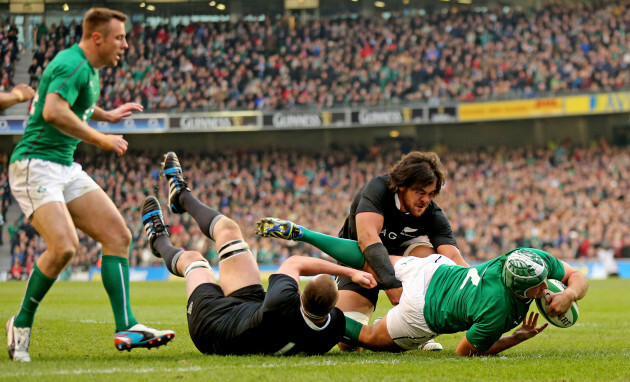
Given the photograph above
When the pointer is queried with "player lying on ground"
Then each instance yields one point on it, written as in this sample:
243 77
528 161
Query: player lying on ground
238 317
440 297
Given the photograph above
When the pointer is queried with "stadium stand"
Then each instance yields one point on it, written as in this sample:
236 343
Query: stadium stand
335 62
496 199
9 50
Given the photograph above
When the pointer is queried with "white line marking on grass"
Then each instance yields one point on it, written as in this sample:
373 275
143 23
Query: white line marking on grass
115 370
105 371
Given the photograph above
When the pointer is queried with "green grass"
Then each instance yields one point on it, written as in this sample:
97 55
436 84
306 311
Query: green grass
73 340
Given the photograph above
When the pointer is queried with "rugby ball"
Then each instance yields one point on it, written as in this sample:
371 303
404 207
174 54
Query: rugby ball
565 321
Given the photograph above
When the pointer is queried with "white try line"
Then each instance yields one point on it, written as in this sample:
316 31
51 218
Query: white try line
265 365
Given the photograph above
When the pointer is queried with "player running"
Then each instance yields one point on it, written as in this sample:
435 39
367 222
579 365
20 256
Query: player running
58 197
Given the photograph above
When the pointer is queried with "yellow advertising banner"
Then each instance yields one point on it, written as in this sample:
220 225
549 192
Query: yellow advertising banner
485 111
598 103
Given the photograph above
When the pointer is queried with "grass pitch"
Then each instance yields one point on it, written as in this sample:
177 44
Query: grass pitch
73 339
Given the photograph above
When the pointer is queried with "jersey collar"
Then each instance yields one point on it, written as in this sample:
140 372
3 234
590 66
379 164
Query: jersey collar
311 324
397 201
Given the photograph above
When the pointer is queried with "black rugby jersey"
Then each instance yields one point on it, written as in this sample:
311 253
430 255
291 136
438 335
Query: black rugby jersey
398 227
277 326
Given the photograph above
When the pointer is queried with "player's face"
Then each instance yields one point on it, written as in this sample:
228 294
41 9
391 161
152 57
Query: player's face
114 44
538 291
415 201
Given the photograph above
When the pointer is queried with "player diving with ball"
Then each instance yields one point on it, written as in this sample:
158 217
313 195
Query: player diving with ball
440 297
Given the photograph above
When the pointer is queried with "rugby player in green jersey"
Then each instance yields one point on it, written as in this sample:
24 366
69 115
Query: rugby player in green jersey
440 297
58 196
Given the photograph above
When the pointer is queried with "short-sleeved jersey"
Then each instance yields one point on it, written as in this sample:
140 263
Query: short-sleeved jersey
398 227
276 325
476 299
71 76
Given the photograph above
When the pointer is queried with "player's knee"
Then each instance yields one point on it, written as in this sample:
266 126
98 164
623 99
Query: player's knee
189 257
64 248
117 241
60 254
226 229
123 238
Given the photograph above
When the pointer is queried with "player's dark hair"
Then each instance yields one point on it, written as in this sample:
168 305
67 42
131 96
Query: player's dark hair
97 18
320 296
417 170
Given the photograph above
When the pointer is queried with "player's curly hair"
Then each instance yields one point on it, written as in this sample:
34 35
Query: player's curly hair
320 296
417 170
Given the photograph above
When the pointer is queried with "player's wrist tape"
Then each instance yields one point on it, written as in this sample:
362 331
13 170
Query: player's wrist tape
352 332
19 93
377 257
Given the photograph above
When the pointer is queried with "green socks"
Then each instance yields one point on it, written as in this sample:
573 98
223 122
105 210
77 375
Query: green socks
115 275
38 286
343 250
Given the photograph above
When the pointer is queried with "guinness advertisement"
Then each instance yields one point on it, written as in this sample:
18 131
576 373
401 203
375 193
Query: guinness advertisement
443 114
366 117
305 120
224 121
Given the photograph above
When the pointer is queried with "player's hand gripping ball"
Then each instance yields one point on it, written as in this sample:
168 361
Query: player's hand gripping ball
563 321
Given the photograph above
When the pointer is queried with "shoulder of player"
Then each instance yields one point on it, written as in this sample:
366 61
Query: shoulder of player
70 60
377 183
281 278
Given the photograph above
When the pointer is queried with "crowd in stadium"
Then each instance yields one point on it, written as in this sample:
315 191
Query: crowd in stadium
9 52
438 57
568 200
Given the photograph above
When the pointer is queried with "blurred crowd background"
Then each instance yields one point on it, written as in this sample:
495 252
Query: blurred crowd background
567 199
571 201
334 62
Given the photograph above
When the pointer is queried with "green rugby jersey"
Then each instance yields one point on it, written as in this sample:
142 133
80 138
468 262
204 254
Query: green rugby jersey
475 299
71 76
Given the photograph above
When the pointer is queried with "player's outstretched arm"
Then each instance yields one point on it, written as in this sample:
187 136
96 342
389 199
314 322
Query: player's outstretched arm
20 93
296 266
522 333
57 112
116 115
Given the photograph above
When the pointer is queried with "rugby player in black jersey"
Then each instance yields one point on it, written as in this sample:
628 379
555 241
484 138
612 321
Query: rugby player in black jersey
388 216
239 317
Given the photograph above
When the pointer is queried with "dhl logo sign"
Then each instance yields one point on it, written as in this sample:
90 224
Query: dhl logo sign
484 111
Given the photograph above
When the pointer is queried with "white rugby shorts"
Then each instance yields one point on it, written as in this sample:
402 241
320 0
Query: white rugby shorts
405 322
35 182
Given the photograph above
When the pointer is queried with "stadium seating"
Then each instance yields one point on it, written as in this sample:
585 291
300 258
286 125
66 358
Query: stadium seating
567 200
444 56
